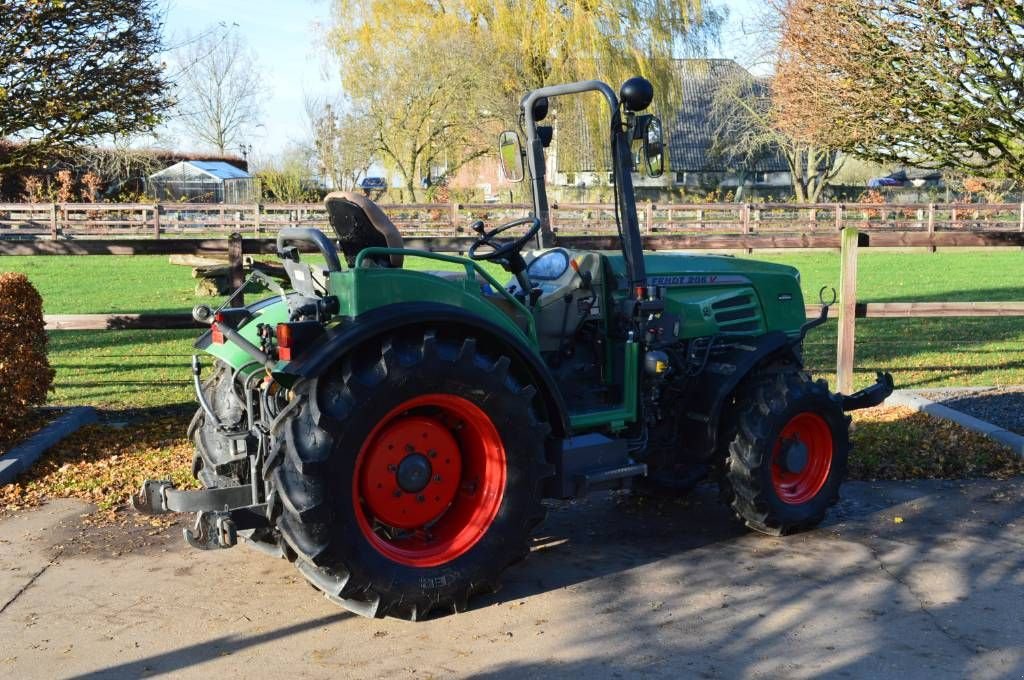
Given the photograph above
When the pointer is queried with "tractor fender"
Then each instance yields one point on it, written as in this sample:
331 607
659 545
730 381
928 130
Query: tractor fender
342 339
718 382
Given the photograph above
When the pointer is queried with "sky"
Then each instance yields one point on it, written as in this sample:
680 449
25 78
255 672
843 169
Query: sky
287 38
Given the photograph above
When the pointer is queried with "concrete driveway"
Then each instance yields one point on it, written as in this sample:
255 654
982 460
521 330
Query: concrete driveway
919 580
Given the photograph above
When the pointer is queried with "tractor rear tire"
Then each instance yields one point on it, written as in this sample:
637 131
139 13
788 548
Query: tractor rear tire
788 457
410 476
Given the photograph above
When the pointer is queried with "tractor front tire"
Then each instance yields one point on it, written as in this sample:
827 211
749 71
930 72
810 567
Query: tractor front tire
410 476
788 456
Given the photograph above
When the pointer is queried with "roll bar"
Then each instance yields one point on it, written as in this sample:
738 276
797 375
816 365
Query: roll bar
632 248
308 235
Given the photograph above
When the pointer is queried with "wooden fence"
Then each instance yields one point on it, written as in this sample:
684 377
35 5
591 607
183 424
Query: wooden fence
849 240
26 221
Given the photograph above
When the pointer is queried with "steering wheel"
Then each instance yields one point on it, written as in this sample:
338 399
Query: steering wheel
501 251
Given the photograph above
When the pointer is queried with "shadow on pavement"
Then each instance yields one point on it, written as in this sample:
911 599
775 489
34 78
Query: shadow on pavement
194 655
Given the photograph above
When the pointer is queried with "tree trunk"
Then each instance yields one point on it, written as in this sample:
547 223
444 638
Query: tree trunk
741 188
798 177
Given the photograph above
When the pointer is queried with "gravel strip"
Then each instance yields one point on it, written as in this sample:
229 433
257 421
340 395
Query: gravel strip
1002 406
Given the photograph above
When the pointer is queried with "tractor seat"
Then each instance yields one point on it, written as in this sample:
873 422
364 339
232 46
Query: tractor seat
360 223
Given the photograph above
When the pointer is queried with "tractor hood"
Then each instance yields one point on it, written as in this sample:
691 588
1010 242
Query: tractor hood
673 264
719 294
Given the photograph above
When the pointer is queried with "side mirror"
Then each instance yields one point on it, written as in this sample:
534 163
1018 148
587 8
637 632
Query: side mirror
649 131
510 152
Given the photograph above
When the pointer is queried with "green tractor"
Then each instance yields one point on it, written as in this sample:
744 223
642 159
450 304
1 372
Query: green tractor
394 433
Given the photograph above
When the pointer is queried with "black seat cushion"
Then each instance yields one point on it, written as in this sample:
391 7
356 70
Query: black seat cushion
355 231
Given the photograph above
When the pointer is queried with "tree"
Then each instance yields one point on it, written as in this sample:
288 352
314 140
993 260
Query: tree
342 143
746 131
923 82
538 43
454 71
288 178
427 106
71 72
218 89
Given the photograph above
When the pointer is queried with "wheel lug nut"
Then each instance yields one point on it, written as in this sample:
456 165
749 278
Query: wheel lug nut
410 448
432 453
398 493
437 478
392 468
420 498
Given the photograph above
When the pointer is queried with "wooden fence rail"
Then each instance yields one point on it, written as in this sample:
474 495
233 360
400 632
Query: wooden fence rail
849 240
172 220
459 244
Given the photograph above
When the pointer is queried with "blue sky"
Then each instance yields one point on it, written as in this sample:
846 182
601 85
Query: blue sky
286 36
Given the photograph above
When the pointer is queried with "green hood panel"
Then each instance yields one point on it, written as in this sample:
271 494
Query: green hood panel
715 294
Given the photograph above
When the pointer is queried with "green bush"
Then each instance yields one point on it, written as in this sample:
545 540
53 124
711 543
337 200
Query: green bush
25 373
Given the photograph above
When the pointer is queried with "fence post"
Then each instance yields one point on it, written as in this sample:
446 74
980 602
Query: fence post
453 215
256 219
157 209
1021 228
847 310
237 276
649 217
931 223
839 216
53 221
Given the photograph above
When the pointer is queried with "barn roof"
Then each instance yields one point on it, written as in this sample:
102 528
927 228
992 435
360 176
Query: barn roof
690 126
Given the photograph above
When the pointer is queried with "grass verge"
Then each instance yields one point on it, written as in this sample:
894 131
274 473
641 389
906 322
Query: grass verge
898 443
105 463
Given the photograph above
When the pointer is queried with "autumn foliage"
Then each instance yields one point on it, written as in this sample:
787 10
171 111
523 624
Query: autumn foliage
25 373
920 82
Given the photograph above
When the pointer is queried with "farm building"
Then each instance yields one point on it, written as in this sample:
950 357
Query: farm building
203 182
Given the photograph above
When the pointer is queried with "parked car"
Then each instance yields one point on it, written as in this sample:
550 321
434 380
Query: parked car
373 184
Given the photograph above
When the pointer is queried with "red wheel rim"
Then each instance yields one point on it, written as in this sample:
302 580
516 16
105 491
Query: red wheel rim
429 480
810 430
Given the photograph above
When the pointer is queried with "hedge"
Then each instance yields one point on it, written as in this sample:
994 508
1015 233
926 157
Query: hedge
25 373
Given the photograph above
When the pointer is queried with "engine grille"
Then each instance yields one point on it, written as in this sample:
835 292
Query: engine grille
738 314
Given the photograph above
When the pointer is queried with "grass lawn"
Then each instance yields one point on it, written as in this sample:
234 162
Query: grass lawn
150 368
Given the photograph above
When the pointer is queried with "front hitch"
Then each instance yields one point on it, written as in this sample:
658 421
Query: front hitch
220 513
870 396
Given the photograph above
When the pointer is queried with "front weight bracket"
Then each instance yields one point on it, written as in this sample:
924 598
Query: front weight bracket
211 531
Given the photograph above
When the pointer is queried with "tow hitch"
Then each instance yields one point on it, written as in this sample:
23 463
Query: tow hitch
870 396
220 513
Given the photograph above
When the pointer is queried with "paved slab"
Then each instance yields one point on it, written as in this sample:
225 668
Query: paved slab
921 580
